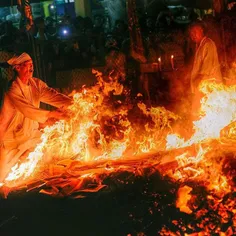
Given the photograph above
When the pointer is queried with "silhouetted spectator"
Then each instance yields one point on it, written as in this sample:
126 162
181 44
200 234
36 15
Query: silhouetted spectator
120 32
88 23
50 28
98 26
73 55
9 34
79 24
115 61
40 29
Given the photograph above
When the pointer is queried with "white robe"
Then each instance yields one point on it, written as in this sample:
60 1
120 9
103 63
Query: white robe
206 63
20 117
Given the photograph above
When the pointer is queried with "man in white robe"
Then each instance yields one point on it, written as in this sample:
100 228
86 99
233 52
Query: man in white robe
20 114
206 64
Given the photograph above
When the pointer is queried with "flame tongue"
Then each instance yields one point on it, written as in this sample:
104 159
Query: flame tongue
218 110
106 135
100 129
183 198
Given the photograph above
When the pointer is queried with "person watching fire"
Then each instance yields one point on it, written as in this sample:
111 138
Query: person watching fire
20 113
206 64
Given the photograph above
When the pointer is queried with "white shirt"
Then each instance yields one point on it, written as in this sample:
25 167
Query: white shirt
21 114
206 63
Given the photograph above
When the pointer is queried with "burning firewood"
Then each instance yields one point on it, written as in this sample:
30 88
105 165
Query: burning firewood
106 142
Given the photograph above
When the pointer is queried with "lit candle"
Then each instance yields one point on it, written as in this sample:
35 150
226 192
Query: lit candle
172 62
159 61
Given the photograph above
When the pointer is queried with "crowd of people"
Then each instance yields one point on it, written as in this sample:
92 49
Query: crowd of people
85 43
67 44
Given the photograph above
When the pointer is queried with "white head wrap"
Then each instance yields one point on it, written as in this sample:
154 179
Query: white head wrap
17 60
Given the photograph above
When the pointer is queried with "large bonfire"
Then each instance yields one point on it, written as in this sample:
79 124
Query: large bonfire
107 135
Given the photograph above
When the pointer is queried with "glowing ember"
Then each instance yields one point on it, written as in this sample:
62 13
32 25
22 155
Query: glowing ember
183 198
107 135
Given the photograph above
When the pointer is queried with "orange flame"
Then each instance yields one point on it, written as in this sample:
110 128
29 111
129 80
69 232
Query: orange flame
218 110
183 198
102 135
97 132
